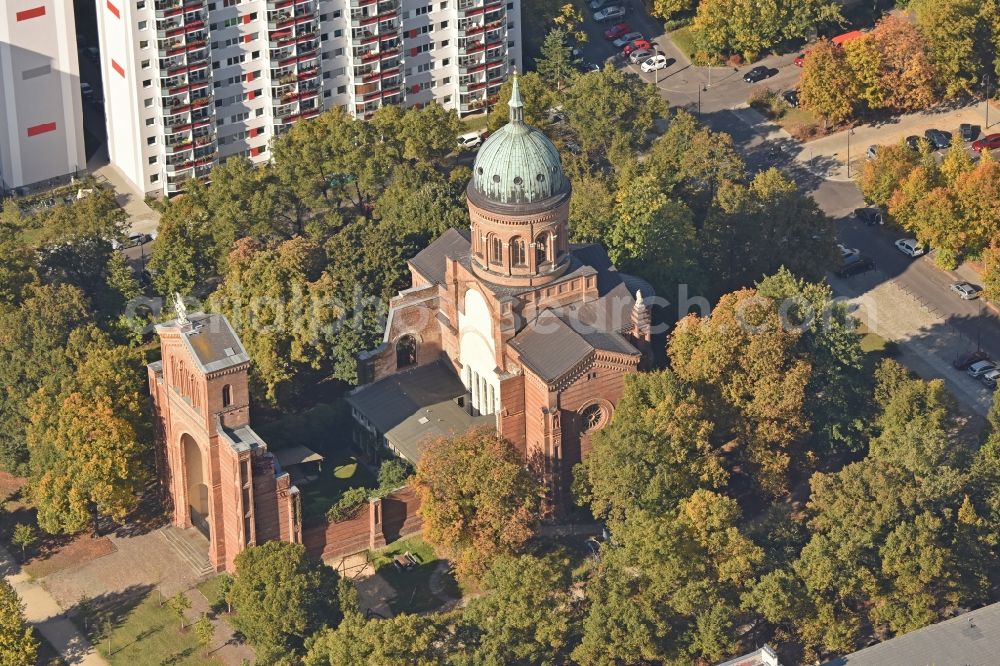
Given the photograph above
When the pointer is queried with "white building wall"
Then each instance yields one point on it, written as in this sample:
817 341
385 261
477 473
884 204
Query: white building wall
274 62
41 112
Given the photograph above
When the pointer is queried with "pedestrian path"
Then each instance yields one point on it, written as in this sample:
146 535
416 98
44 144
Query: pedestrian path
42 611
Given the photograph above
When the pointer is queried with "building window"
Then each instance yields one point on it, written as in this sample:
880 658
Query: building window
592 418
142 25
154 178
406 351
227 395
496 250
541 248
518 257
152 160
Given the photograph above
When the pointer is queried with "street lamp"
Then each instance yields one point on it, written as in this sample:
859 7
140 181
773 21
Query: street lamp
849 133
986 82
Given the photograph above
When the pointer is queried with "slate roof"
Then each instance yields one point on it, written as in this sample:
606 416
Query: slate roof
971 639
413 407
551 346
430 262
211 340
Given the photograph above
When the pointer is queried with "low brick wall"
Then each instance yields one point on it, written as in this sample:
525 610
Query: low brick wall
385 520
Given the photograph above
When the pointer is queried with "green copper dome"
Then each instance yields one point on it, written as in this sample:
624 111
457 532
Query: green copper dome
518 164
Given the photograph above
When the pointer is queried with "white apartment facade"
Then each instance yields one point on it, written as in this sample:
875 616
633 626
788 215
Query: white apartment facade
191 82
41 112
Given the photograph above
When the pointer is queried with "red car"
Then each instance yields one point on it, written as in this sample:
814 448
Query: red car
614 32
988 142
800 59
637 45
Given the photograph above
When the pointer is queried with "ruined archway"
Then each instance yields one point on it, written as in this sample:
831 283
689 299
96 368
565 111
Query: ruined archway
197 484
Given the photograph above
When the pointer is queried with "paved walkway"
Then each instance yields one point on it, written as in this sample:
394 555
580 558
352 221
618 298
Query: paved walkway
45 614
224 645
142 218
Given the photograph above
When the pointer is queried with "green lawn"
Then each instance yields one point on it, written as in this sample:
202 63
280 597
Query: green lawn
212 589
147 633
684 40
476 122
413 585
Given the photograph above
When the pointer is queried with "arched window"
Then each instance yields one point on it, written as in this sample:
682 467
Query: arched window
406 351
227 395
496 250
541 248
592 418
517 254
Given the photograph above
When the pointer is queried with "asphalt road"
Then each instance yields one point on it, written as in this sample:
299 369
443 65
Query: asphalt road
722 90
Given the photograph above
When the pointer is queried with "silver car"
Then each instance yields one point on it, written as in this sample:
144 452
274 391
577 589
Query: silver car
991 378
612 13
965 291
981 368
639 55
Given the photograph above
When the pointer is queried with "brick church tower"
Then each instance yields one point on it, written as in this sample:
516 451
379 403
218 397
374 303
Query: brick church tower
216 470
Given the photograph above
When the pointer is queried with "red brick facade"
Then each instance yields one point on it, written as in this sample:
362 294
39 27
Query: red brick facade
216 471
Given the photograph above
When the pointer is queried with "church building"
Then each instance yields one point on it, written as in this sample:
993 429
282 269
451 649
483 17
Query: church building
507 323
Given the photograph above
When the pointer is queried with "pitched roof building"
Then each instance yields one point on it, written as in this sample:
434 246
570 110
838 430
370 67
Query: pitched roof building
507 323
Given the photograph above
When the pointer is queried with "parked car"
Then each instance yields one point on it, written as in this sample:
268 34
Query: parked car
990 378
870 216
913 141
612 13
470 140
759 73
910 246
855 266
988 142
616 31
86 90
800 59
586 66
638 56
659 61
965 360
846 252
965 291
979 369
637 45
969 132
939 139
791 97
626 38
872 152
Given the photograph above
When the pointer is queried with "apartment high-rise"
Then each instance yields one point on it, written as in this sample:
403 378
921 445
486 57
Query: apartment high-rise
41 112
191 82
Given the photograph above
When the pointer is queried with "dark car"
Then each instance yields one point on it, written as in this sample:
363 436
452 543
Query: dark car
586 67
939 138
913 141
856 266
792 97
759 73
870 216
965 360
969 132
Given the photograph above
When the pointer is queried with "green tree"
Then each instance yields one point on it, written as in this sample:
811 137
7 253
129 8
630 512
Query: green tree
17 262
668 589
828 83
590 209
403 640
18 646
205 631
613 109
184 253
991 272
951 28
536 93
179 604
477 499
652 234
281 596
557 66
429 133
24 536
523 618
667 9
739 26
657 450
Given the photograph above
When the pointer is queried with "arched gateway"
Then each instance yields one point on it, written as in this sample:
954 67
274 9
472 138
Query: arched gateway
216 470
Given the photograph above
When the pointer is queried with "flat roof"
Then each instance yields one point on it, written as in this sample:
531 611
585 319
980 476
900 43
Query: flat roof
970 639
415 406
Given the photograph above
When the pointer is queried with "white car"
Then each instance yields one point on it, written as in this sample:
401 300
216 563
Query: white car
847 252
659 61
991 378
910 247
612 13
470 140
981 368
626 38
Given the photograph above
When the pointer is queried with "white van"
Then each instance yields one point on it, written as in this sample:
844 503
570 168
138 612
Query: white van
470 140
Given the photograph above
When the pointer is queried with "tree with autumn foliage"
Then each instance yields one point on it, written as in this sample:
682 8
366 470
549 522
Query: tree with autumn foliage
891 66
478 500
828 83
18 646
991 272
879 178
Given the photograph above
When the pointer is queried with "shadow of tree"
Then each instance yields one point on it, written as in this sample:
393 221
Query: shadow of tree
98 616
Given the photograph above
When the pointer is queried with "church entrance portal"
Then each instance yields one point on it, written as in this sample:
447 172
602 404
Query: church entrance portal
197 489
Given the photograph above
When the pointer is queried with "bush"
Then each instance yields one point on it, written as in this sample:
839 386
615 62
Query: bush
348 504
392 474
